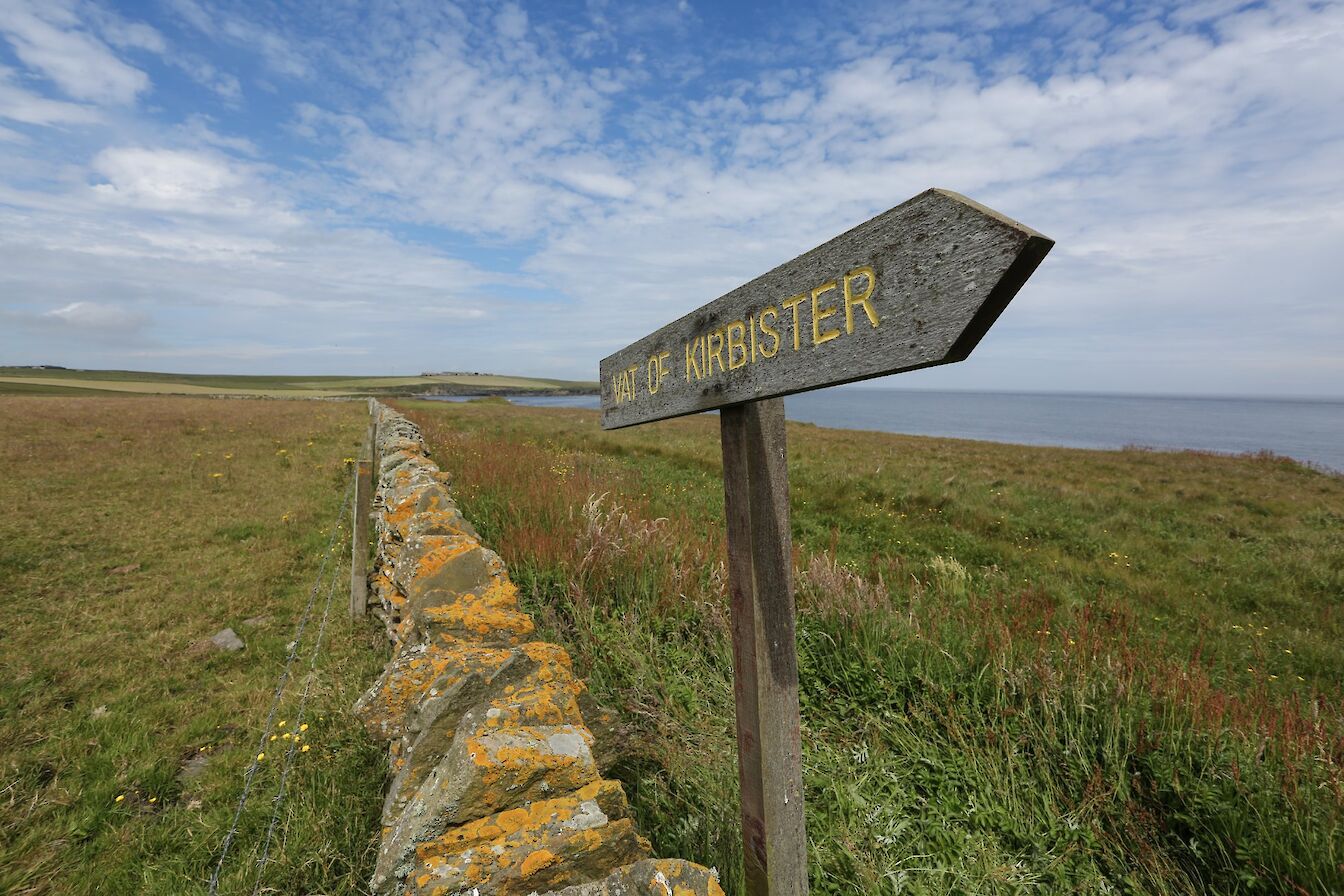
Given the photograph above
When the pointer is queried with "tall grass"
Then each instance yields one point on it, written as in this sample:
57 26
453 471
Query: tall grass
1042 693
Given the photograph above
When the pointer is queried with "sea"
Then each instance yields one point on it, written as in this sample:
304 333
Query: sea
1308 430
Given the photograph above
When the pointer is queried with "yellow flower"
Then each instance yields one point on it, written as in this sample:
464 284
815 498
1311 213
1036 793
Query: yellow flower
272 737
153 799
216 475
305 749
303 727
281 724
119 798
228 457
261 756
287 735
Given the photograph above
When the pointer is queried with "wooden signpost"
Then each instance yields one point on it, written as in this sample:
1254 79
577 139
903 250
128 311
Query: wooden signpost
914 287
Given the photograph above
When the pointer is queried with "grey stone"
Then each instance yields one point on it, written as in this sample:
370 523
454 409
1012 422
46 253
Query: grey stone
226 639
193 768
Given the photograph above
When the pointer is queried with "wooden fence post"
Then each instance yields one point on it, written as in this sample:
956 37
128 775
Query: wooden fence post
359 530
765 660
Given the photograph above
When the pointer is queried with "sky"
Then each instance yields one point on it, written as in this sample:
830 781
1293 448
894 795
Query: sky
391 188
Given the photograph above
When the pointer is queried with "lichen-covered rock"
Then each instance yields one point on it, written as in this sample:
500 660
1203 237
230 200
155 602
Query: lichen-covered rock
484 771
651 877
448 564
544 845
384 708
533 686
487 614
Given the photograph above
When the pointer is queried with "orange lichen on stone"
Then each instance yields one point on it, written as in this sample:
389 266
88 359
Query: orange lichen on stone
385 707
607 795
583 848
544 702
477 617
435 559
538 860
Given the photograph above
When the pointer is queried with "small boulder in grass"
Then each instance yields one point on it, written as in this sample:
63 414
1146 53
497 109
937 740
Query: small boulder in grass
226 639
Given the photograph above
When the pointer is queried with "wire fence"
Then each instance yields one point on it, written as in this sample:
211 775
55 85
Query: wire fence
286 674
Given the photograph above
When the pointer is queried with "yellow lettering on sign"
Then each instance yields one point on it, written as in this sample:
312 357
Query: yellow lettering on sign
851 300
767 330
760 336
819 314
737 342
793 303
693 358
714 352
624 384
656 371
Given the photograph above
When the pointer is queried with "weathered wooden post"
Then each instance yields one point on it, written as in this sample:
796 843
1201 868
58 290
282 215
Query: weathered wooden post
359 530
916 286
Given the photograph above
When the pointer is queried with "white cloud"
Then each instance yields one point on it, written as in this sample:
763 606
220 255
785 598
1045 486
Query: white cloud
47 37
96 316
20 105
163 178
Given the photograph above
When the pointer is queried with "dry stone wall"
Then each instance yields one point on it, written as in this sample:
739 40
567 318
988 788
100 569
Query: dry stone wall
493 784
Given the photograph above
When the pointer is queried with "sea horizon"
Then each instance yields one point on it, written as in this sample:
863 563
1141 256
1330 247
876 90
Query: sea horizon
1308 429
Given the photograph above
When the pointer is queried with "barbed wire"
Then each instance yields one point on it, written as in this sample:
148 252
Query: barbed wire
293 750
281 684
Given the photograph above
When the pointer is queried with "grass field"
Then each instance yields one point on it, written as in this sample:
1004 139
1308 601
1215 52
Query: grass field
26 380
1022 669
135 528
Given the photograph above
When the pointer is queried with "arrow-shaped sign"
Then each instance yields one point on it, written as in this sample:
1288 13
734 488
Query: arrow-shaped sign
916 286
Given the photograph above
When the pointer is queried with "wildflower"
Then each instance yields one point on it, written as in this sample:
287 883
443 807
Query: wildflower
280 724
228 457
119 798
1287 651
1273 678
153 799
216 475
305 749
261 757
303 727
272 737
287 736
